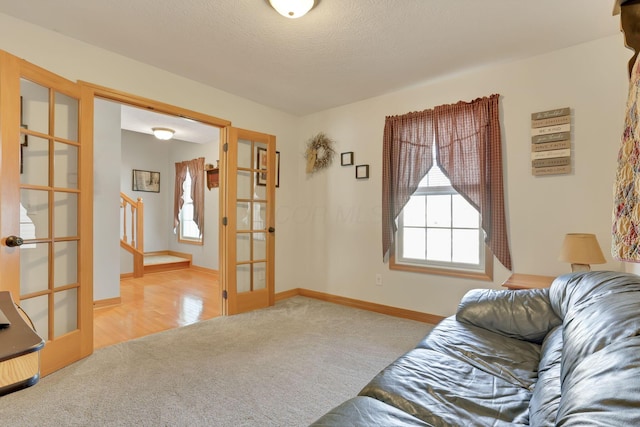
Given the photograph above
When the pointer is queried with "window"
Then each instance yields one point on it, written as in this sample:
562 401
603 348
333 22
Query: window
188 229
188 201
428 224
438 229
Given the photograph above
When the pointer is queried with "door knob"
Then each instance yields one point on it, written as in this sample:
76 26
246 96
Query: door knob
271 229
13 241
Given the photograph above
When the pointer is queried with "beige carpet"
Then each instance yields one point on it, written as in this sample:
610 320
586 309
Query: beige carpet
282 366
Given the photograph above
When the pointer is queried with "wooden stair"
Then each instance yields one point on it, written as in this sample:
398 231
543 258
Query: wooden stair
132 221
155 262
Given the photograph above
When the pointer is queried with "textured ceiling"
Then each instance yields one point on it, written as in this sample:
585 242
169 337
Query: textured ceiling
342 51
142 121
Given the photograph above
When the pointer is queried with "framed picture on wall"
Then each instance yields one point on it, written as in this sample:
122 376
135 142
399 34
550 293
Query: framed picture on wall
277 169
24 138
362 172
145 181
346 159
261 165
261 177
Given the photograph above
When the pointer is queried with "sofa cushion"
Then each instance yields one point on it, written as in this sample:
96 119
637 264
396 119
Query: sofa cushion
604 388
526 315
599 309
512 360
442 390
366 412
571 291
545 400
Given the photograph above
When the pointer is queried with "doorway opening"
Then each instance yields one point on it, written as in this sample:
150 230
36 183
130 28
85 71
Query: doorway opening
173 293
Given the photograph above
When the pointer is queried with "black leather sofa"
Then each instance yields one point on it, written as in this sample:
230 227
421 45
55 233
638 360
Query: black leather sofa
565 356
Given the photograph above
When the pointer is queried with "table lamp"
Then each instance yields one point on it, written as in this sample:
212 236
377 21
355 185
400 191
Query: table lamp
581 250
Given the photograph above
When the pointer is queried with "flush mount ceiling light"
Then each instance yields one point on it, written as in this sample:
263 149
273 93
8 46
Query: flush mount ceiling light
163 133
292 8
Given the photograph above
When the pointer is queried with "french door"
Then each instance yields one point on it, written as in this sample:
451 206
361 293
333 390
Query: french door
248 241
46 206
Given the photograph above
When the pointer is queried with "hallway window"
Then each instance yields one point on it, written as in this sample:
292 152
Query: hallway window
188 230
188 201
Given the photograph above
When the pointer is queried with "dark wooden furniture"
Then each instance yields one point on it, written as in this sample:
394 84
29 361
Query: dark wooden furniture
19 349
213 178
527 281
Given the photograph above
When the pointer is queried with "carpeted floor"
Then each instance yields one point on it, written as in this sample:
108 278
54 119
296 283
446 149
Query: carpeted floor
282 366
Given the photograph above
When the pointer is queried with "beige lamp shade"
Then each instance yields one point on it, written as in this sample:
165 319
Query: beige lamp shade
581 250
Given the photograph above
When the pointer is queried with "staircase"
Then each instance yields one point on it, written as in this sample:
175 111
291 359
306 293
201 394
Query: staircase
132 240
133 219
165 261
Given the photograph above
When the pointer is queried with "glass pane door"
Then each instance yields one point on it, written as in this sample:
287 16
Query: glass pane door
250 231
49 208
46 223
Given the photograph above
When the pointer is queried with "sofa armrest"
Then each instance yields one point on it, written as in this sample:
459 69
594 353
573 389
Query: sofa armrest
525 314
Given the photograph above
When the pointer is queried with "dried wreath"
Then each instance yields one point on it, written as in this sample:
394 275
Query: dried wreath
319 152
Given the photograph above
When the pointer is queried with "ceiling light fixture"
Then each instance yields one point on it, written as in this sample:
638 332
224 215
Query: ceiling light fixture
292 8
163 133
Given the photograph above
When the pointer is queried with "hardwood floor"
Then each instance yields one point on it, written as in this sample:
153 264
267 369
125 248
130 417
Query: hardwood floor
157 302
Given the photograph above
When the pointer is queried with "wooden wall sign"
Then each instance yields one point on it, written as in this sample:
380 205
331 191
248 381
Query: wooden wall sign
551 142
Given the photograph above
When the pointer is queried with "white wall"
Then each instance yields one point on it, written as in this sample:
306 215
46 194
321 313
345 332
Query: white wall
144 152
106 199
344 222
328 224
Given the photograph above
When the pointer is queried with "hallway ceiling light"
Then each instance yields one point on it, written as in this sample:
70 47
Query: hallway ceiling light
163 133
292 8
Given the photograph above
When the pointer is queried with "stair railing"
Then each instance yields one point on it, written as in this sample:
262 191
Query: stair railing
133 218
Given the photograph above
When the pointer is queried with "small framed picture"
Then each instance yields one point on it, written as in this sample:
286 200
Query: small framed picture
261 177
277 169
362 172
261 164
24 138
346 159
145 181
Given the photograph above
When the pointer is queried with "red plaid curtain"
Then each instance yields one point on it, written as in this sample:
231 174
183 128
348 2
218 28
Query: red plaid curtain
406 159
196 172
469 151
181 174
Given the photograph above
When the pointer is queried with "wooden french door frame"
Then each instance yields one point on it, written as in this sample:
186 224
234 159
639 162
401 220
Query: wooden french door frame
74 340
236 299
229 300
120 97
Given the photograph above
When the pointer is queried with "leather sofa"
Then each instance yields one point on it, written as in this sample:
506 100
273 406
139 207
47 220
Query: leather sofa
566 356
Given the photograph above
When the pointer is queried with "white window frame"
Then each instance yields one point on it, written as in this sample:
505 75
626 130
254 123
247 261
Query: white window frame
481 271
